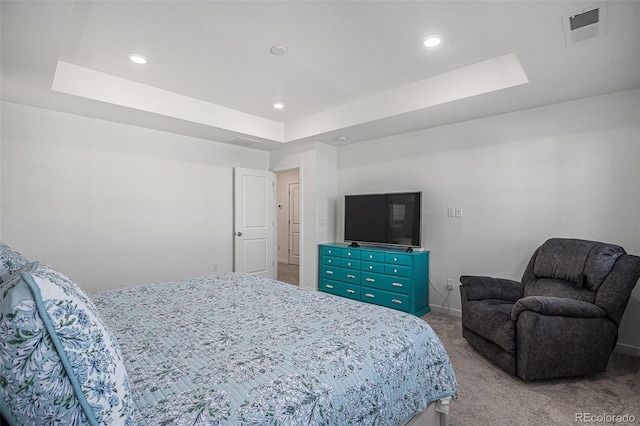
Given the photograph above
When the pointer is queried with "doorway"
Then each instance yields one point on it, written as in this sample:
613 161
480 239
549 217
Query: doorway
289 229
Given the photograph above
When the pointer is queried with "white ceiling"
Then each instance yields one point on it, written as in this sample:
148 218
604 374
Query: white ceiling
353 68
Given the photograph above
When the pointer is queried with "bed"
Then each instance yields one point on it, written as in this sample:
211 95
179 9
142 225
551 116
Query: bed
237 349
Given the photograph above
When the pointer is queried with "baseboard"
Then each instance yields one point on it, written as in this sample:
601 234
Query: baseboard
623 349
447 311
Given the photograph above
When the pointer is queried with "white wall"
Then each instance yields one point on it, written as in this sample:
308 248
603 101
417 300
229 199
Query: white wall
566 170
113 205
326 192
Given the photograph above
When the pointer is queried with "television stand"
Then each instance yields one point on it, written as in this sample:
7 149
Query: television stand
382 276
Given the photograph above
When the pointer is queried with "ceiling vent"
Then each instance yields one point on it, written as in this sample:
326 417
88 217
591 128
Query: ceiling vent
240 141
585 24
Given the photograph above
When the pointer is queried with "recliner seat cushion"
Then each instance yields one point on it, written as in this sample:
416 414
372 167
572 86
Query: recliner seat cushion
491 319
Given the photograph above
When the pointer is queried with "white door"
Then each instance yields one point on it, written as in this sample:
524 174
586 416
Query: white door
294 223
254 222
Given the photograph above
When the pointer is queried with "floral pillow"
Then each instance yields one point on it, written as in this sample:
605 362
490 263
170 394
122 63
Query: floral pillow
10 261
59 365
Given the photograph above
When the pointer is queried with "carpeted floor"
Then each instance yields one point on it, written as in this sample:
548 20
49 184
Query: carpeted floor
489 396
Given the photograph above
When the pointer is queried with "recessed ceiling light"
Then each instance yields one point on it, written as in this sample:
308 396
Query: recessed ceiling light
278 50
137 58
433 40
278 105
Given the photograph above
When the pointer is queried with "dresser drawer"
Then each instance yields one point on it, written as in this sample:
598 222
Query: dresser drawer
351 254
330 260
397 259
350 263
340 289
340 274
400 271
373 256
385 298
330 251
373 267
386 282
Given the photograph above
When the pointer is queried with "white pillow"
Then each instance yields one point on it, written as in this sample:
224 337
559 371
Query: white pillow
60 365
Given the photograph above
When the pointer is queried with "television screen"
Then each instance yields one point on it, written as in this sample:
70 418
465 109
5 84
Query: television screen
392 219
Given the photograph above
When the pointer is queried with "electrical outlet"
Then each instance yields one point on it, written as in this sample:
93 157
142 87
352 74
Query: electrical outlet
215 267
450 211
458 211
449 283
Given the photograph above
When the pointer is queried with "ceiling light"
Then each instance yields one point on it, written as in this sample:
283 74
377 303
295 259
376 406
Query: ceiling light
278 50
137 58
342 138
278 105
433 40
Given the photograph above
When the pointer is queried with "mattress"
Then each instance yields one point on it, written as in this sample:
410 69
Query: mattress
239 349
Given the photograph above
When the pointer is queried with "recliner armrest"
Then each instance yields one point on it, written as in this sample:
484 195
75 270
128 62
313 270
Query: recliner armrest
479 288
557 306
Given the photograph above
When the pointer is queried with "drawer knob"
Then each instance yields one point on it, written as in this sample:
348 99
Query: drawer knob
329 286
329 261
371 280
396 301
351 291
395 271
396 284
369 295
351 276
329 272
395 259
370 256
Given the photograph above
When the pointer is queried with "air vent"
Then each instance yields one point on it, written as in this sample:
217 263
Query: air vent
240 141
581 20
585 24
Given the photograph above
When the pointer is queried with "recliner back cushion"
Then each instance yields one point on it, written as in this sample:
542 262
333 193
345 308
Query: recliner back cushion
600 263
550 287
562 259
583 263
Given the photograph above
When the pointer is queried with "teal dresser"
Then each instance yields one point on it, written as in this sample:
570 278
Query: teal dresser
386 277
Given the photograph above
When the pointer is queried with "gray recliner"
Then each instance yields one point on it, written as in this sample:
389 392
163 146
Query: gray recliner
561 320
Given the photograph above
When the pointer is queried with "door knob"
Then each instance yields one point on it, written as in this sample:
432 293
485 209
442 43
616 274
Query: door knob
239 234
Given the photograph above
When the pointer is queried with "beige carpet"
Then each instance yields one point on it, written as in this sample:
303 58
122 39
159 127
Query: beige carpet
489 396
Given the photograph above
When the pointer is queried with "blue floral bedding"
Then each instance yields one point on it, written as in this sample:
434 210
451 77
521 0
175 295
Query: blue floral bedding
244 350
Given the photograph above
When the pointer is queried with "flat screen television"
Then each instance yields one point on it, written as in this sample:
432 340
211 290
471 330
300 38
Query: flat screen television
384 219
